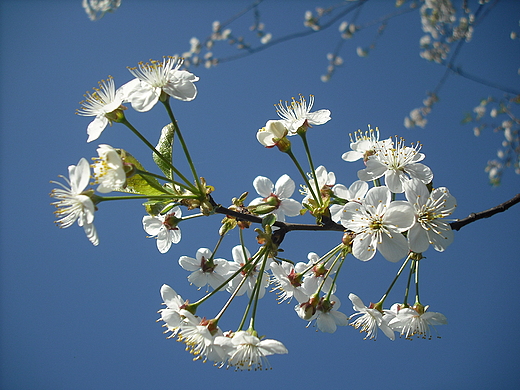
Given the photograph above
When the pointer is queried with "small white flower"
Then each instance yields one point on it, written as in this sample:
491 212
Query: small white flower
152 78
203 271
288 281
364 145
72 203
277 196
171 315
322 179
297 113
96 9
99 103
328 317
241 256
378 223
164 228
415 321
369 320
355 193
108 170
430 208
398 164
273 132
248 352
199 336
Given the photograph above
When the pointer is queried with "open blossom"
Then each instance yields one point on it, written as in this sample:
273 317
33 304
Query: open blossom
104 100
155 77
321 180
72 203
199 336
171 315
378 223
355 193
108 170
415 321
204 269
164 228
276 197
298 113
369 320
364 145
430 208
288 280
246 351
241 256
328 318
398 164
96 9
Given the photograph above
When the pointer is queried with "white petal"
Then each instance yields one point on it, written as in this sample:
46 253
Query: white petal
418 239
395 248
96 127
290 207
263 185
284 187
189 263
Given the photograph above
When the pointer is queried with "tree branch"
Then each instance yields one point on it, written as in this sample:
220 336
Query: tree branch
485 214
329 225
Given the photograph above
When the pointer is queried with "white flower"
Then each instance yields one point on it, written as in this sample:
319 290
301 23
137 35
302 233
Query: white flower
398 164
241 256
319 181
96 9
164 228
171 315
277 196
378 224
369 320
273 132
248 352
199 336
108 170
430 208
415 321
288 280
355 193
364 145
297 113
152 78
99 103
328 316
73 204
205 272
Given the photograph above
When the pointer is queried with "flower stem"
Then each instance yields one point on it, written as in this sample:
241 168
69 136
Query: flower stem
183 144
302 173
303 135
165 160
382 300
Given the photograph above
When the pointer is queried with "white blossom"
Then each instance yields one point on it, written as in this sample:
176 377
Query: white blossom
108 170
72 202
369 320
104 100
416 321
430 208
164 228
203 271
378 223
276 196
297 113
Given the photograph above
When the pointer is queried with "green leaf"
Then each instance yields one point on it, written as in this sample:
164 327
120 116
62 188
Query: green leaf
140 184
268 220
165 147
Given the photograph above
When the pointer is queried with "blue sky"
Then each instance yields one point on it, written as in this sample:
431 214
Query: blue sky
74 316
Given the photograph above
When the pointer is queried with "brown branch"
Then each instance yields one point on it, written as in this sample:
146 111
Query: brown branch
329 225
485 214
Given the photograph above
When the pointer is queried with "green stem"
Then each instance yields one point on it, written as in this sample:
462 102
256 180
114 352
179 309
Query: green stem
183 144
417 301
382 300
157 197
412 268
256 291
165 160
303 135
304 176
140 172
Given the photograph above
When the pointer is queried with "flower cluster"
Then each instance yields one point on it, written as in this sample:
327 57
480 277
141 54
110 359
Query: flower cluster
371 219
